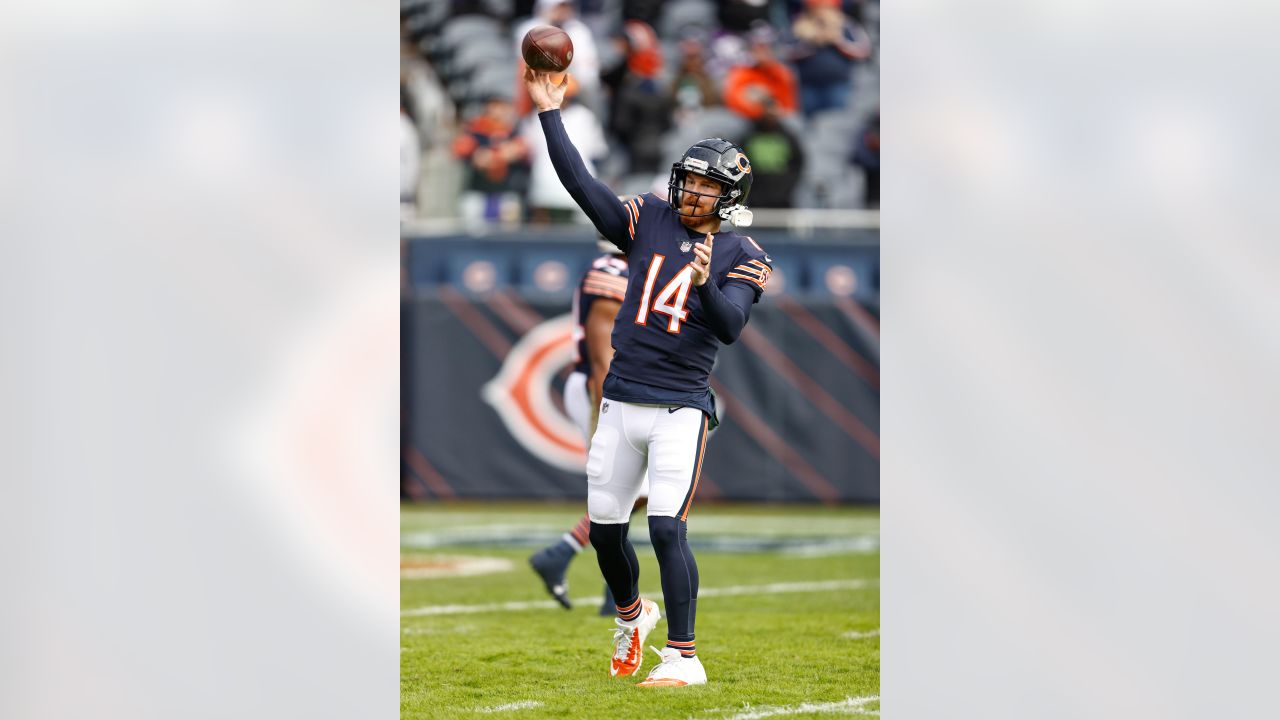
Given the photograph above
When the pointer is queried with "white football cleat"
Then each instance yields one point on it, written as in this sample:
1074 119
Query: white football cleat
675 670
628 639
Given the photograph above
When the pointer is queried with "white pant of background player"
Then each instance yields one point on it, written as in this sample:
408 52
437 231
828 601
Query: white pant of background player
577 402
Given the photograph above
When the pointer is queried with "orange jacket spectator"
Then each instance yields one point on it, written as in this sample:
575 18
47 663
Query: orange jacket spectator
749 89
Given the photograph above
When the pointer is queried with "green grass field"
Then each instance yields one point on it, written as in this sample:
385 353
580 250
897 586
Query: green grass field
788 617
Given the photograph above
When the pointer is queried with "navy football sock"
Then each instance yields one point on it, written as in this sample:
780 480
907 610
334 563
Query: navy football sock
619 566
679 579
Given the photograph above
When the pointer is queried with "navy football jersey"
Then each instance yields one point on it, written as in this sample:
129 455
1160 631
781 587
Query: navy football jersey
664 341
606 278
659 338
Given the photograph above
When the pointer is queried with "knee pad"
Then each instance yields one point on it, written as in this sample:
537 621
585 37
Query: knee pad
604 506
664 532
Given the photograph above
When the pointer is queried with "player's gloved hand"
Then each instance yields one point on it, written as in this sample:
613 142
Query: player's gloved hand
545 94
702 261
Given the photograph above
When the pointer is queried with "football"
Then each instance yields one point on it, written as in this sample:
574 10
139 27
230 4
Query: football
547 48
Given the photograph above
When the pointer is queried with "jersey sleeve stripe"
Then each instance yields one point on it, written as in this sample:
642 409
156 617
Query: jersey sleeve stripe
753 261
612 286
747 277
599 288
608 281
750 270
604 293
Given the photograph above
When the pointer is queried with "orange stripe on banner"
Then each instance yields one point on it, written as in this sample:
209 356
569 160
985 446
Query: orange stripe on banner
812 390
475 321
521 320
702 449
744 417
434 480
859 316
831 341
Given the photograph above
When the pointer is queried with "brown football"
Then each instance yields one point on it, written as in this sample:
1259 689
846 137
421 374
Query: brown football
547 48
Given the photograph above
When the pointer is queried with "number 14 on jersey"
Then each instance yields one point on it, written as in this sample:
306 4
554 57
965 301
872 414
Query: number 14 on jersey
671 298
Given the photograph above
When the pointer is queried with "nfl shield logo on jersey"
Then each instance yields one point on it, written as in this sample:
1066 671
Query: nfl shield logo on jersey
684 246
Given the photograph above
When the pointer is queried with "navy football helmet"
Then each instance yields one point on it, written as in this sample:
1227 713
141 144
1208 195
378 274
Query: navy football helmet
722 161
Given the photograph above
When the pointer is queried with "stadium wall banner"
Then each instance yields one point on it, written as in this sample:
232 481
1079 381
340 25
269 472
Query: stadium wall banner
483 412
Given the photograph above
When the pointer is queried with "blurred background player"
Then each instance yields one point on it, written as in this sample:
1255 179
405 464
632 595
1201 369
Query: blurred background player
595 306
658 405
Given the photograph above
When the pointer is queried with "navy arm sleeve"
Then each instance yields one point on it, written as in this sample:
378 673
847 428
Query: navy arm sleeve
726 310
595 198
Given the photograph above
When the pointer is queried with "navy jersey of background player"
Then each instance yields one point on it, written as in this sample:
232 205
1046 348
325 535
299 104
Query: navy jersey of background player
667 342
664 345
606 278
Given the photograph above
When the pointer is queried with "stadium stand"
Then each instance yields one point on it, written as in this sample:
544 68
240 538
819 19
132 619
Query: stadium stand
463 54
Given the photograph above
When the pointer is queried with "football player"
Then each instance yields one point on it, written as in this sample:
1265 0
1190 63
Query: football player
595 305
690 290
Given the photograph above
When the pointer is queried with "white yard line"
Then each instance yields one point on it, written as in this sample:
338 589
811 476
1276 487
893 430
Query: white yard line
855 635
521 705
848 706
770 589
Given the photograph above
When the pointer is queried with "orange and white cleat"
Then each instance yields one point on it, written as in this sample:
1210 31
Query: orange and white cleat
628 639
675 670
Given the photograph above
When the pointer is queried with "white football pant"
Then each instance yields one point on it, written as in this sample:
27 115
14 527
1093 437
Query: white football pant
630 439
577 402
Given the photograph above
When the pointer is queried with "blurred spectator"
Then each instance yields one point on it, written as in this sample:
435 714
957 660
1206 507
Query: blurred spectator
585 65
693 87
497 163
826 45
548 200
777 159
866 155
763 80
640 112
410 155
